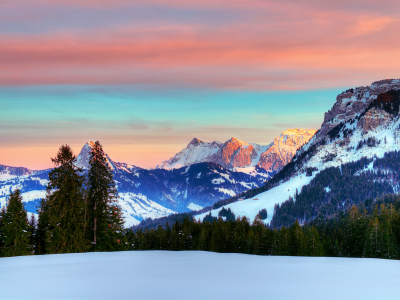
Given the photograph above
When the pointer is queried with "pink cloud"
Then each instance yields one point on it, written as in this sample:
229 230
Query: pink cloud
281 46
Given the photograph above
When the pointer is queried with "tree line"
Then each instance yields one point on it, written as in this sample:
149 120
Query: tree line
78 214
357 232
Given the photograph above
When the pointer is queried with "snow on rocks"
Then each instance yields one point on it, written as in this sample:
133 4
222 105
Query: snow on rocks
194 207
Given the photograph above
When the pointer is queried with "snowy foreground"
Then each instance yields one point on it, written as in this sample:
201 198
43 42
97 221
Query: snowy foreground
195 275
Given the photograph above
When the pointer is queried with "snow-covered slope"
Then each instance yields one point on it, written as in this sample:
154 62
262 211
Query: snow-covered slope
170 275
238 155
266 200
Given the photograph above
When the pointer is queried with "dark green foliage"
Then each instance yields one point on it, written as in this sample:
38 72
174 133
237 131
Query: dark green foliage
42 225
2 213
32 232
227 213
263 214
347 234
16 233
64 206
209 218
104 216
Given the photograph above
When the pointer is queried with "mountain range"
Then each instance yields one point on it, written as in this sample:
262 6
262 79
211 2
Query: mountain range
197 177
352 160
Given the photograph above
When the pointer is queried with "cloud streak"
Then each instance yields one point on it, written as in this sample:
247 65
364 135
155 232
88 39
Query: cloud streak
274 46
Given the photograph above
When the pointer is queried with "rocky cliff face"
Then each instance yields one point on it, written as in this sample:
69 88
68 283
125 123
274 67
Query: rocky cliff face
284 148
353 102
364 122
235 154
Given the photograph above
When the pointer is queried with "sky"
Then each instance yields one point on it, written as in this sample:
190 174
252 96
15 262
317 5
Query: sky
146 77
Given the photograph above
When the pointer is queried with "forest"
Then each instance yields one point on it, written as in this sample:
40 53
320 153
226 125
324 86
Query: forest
358 232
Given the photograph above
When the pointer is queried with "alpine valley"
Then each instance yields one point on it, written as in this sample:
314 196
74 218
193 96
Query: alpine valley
197 177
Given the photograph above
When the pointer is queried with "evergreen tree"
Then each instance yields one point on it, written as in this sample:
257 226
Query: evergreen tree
312 245
105 220
2 214
296 238
64 206
354 240
373 241
42 226
16 235
32 232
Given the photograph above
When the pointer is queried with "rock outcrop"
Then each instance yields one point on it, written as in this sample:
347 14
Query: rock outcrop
284 148
352 103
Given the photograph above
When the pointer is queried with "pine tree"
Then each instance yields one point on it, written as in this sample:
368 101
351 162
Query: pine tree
64 206
311 245
32 232
105 219
2 214
296 237
16 227
373 241
42 226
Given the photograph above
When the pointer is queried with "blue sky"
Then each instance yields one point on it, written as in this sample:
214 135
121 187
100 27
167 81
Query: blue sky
125 117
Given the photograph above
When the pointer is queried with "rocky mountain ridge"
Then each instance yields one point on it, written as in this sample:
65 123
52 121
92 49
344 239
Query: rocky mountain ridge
238 155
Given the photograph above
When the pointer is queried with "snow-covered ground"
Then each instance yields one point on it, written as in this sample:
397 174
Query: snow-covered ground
138 207
267 200
165 275
194 206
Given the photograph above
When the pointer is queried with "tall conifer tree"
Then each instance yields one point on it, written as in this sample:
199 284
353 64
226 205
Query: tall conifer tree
64 206
2 214
16 235
105 220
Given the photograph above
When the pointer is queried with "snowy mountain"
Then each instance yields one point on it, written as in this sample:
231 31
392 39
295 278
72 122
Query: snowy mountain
241 156
82 161
353 157
143 193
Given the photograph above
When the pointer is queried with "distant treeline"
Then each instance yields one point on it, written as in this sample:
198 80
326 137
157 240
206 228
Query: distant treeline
355 233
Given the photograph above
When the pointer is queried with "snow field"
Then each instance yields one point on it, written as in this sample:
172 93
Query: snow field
196 275
267 200
138 207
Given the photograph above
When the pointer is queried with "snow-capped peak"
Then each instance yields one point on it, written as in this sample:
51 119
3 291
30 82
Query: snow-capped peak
238 155
195 142
82 160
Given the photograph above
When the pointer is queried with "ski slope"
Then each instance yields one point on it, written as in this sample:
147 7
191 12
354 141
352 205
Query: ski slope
196 275
267 200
